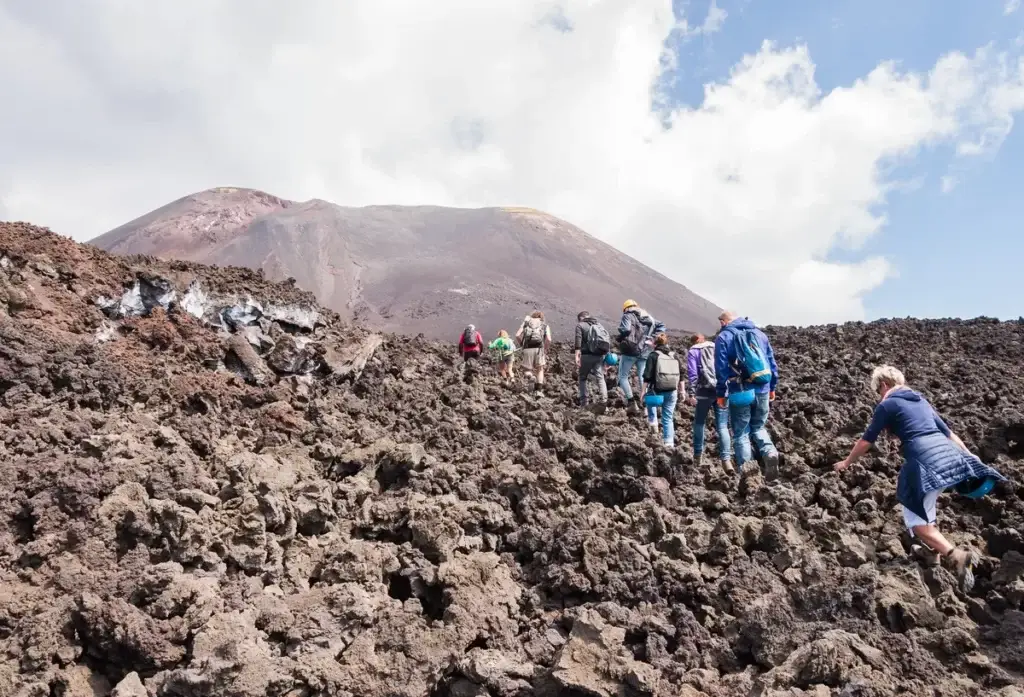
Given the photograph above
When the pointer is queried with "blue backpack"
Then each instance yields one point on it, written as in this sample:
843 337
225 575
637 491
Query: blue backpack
753 366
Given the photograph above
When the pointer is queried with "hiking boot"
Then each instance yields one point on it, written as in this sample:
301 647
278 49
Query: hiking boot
961 562
771 466
728 468
632 409
698 459
653 425
538 387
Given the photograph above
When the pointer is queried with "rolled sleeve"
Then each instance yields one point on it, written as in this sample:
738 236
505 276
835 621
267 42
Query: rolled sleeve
879 420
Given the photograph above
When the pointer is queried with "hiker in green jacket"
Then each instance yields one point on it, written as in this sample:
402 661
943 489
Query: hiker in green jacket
505 351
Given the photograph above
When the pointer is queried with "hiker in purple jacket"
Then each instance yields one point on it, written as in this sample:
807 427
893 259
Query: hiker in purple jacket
700 369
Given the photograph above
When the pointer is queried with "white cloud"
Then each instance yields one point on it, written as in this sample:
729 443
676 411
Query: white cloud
745 198
712 24
949 183
1011 6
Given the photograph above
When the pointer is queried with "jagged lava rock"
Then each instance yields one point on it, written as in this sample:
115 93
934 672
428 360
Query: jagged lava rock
212 486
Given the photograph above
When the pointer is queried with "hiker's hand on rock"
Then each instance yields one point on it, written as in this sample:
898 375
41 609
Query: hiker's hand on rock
840 466
771 396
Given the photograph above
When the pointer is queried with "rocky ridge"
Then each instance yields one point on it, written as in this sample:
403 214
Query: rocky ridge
214 487
413 269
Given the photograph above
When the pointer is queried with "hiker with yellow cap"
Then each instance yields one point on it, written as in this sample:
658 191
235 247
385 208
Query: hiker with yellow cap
636 341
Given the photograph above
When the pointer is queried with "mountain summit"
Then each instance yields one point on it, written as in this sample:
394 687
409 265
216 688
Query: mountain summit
413 269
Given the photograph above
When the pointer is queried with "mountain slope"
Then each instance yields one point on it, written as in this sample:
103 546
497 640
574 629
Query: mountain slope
415 269
200 502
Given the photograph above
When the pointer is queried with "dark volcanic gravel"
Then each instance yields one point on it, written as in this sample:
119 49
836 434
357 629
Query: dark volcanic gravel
186 512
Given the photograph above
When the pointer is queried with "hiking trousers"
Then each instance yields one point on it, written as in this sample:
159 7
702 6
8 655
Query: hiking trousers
626 364
668 416
700 418
592 365
748 421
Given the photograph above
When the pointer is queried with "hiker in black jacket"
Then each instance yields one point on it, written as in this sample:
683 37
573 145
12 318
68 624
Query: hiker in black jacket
592 345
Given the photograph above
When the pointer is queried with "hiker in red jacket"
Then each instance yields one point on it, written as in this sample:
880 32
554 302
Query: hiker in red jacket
471 343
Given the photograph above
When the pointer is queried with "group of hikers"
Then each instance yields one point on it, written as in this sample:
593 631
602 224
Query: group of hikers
734 377
534 338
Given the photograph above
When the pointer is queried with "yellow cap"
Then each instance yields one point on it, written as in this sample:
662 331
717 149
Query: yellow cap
628 304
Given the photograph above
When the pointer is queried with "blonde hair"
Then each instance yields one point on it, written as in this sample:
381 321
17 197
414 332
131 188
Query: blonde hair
503 334
886 375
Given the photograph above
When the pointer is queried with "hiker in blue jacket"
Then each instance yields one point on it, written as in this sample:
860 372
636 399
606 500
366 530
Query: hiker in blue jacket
746 394
935 459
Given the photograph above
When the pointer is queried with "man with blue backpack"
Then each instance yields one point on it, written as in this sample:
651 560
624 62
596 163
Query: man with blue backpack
746 376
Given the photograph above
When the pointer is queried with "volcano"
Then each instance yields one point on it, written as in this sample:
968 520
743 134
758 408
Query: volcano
414 269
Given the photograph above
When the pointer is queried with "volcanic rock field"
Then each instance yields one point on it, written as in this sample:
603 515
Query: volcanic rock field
210 486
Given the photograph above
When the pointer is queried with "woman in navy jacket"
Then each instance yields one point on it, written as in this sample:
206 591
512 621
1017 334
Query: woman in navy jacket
935 459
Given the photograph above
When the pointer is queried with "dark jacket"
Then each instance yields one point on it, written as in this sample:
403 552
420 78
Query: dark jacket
636 315
725 359
582 327
932 462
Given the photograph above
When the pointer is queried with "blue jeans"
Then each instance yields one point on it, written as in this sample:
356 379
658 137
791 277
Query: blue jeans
748 422
700 419
668 416
626 364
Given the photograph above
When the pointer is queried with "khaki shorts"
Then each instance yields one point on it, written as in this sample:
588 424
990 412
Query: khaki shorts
533 359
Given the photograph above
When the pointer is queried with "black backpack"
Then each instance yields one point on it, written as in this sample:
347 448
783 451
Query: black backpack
469 338
633 343
662 372
596 341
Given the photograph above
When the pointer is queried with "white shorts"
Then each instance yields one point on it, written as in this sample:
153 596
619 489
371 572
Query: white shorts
913 520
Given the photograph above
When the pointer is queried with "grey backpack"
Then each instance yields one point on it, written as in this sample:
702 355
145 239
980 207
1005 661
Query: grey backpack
534 332
663 372
596 340
706 367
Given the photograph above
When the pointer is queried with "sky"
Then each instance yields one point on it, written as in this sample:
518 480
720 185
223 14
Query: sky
797 161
